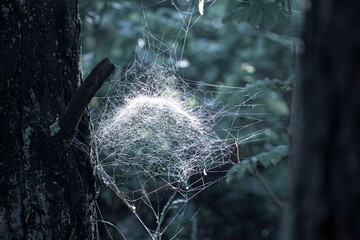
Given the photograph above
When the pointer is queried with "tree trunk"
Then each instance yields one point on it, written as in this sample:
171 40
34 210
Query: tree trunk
327 154
48 185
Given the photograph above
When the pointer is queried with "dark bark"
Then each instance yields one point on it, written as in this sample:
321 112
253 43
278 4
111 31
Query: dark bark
47 179
326 133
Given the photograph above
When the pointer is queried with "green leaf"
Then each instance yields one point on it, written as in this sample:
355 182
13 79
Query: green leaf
278 106
281 152
256 14
232 173
264 160
243 13
270 18
243 166
273 157
239 170
267 159
247 164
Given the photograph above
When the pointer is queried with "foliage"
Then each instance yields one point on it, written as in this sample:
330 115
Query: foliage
266 159
267 14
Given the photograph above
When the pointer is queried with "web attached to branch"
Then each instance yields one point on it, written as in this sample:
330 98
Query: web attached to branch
163 139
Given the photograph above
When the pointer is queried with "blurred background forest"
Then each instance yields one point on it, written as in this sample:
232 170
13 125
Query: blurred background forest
251 44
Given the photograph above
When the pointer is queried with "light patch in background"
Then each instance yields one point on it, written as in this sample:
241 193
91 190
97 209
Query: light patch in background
247 68
184 63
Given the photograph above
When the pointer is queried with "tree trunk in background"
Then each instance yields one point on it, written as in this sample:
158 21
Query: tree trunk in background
327 181
47 190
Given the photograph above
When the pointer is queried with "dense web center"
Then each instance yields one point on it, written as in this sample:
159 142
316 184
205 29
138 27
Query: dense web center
157 135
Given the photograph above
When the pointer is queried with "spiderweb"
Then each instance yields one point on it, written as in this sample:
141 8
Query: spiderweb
162 139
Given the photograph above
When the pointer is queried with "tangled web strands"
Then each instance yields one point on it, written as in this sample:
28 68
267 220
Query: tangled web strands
158 131
158 135
152 137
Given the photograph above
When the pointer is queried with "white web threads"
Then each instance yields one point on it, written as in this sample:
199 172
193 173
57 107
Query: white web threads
157 133
153 135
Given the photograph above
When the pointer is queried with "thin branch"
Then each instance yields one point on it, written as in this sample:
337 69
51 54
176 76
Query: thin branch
256 174
164 212
289 6
69 121
237 151
106 222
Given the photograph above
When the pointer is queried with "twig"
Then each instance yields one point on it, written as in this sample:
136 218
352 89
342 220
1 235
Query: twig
289 6
256 174
106 222
164 212
237 151
69 121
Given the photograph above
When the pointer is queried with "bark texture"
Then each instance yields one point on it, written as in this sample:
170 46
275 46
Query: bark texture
47 187
326 136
